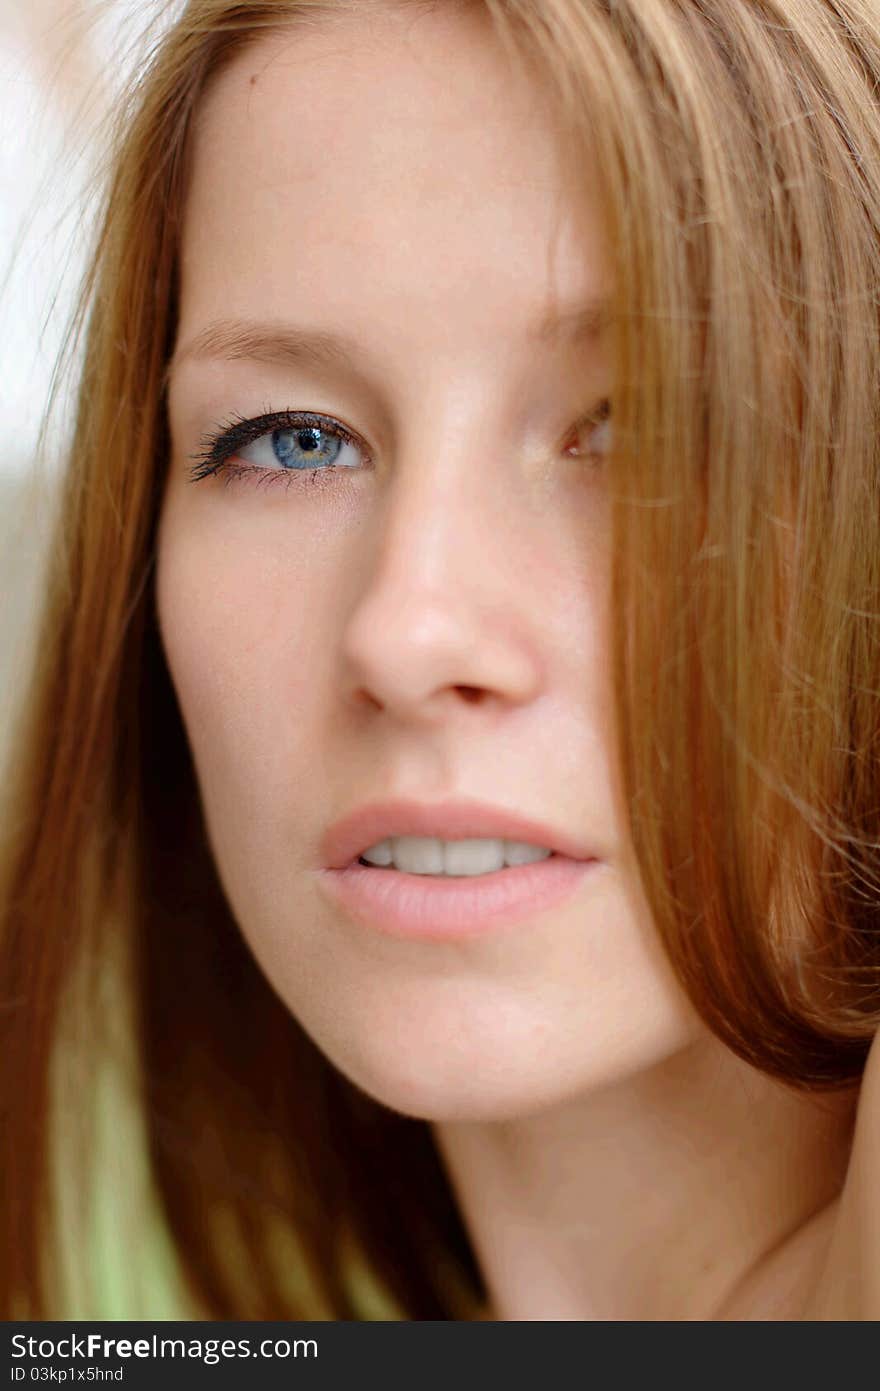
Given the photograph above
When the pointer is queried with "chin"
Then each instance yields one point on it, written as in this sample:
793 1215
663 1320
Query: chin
501 1080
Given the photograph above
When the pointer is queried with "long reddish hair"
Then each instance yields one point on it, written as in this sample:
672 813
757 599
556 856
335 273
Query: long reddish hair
738 148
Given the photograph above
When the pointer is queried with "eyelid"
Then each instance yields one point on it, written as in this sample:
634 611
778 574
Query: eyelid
596 417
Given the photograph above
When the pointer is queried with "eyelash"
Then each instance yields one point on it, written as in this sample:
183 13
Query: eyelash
218 448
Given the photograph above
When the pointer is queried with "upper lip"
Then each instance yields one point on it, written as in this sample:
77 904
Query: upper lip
349 837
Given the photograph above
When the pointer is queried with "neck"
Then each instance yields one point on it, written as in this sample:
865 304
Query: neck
689 1191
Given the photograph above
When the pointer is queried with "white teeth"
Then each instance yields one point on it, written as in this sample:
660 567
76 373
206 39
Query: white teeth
418 854
519 852
428 855
379 854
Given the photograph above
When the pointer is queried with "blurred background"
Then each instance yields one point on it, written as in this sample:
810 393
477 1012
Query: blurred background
63 65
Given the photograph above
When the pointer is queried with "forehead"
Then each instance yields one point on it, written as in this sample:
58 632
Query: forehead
384 168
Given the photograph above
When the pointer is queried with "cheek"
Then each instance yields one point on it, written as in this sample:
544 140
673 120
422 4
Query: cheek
241 648
212 622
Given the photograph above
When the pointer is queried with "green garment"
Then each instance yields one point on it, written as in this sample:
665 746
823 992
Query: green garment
117 1261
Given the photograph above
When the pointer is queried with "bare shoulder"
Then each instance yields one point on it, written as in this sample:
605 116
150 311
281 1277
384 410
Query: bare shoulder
849 1285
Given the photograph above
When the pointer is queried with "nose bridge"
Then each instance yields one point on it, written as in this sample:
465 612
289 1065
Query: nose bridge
441 498
445 497
440 606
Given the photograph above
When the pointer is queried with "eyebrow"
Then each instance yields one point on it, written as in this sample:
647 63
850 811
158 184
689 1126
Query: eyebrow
287 345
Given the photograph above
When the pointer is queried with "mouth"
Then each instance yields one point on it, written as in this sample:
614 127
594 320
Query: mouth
448 871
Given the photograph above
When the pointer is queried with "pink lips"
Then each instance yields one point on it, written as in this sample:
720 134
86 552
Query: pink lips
450 907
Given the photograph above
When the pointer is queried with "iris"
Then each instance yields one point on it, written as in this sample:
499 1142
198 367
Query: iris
303 449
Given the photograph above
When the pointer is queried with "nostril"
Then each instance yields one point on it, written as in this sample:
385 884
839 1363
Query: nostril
470 693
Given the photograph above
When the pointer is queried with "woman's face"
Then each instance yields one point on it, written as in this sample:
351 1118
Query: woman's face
428 621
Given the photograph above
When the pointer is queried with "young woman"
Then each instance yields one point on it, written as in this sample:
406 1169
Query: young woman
447 801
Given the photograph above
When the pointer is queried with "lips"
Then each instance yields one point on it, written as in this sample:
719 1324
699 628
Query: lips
346 840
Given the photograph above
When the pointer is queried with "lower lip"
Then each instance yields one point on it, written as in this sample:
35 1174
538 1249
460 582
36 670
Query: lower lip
453 907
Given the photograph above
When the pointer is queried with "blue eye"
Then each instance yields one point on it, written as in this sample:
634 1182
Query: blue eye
300 447
279 444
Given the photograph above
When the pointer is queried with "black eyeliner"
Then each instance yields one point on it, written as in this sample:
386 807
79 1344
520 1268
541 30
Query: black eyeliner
240 431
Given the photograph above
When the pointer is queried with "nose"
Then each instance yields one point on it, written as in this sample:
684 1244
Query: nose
446 619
